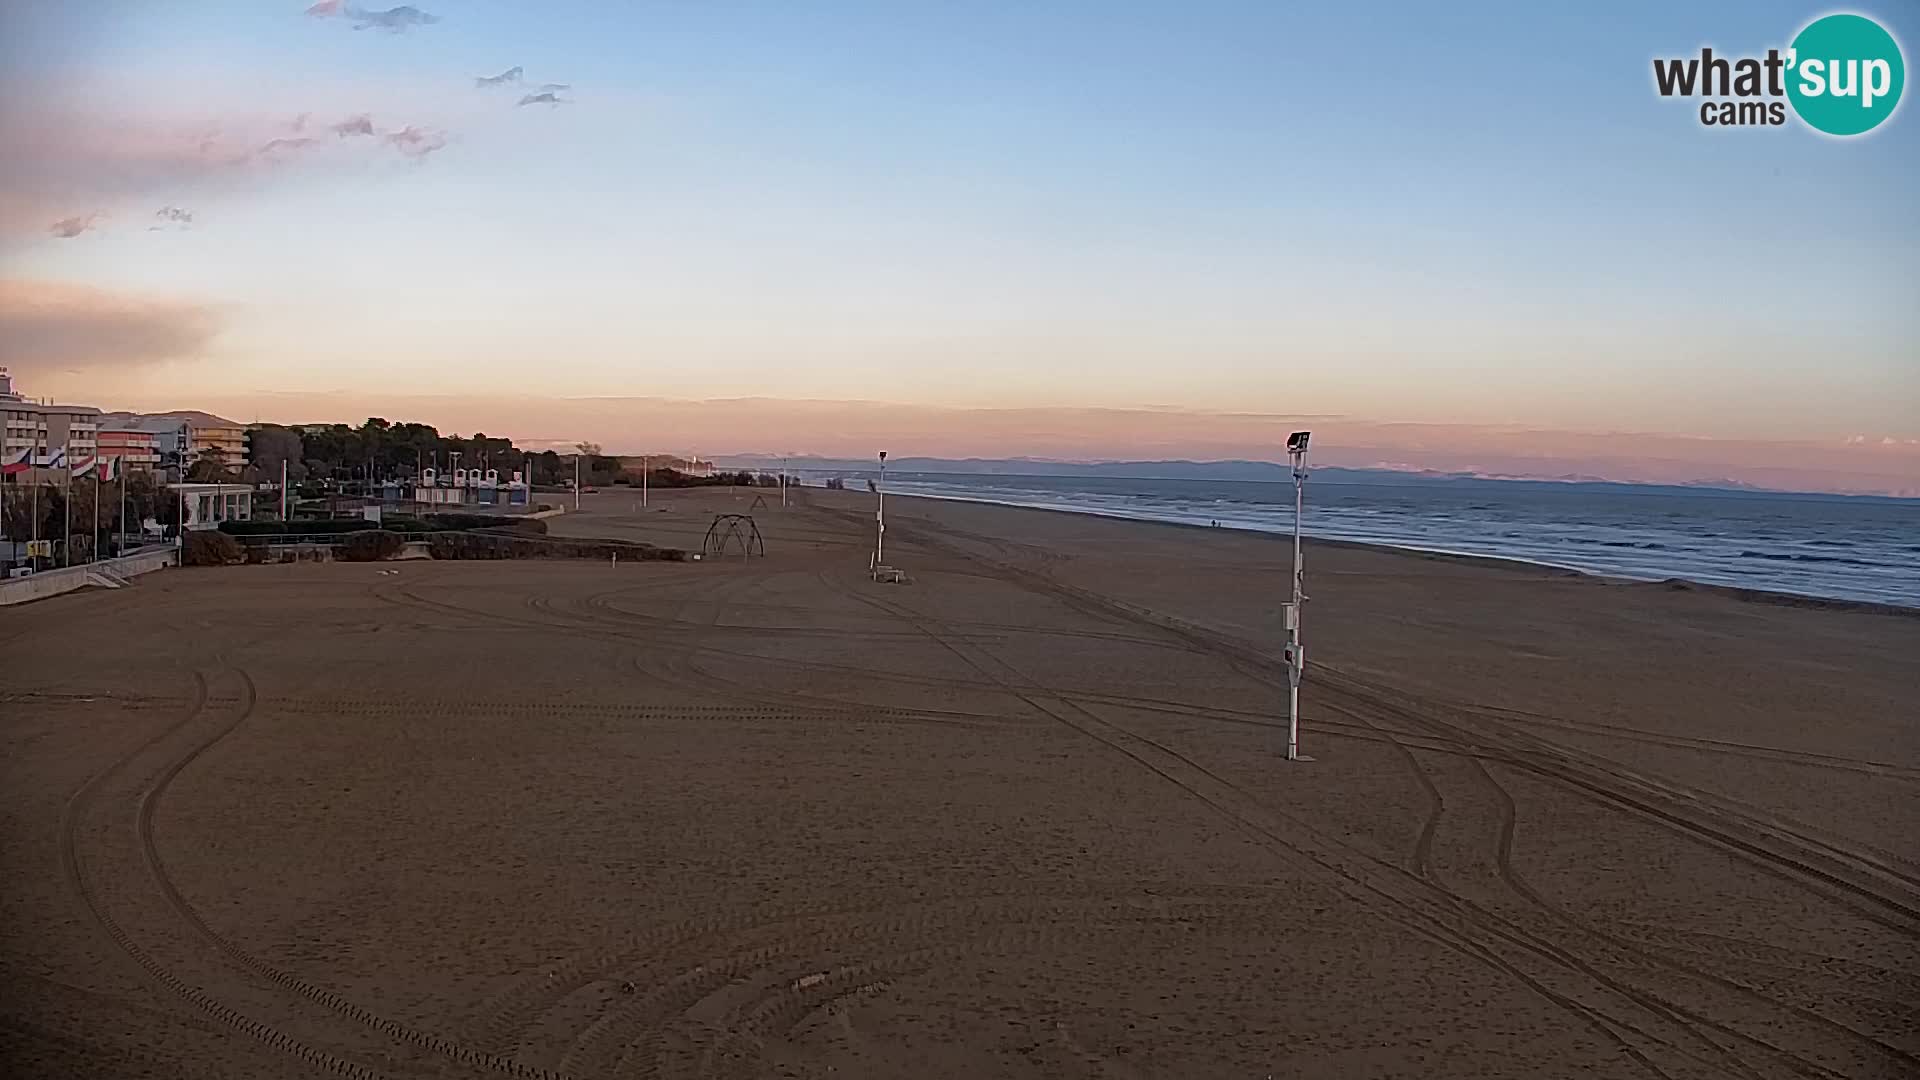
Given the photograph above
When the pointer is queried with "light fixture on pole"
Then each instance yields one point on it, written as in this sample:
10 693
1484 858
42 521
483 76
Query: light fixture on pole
880 517
1295 655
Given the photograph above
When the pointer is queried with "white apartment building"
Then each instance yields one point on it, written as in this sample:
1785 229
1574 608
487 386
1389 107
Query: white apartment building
46 430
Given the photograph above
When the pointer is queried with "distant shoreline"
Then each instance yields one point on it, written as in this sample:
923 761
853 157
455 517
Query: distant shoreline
1509 562
1261 472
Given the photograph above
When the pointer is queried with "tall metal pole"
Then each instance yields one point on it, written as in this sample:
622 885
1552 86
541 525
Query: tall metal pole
783 483
33 477
880 517
576 481
283 490
66 508
646 466
1296 656
123 508
94 540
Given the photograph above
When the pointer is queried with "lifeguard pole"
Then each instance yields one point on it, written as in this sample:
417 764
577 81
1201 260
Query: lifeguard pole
880 517
1295 655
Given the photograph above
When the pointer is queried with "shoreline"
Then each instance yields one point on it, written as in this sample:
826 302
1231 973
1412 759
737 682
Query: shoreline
1746 593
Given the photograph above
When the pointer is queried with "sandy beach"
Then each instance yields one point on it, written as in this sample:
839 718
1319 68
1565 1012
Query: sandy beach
1024 815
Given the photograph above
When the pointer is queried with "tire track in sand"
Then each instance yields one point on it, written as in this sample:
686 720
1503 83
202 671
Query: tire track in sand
1511 878
76 875
1850 877
184 911
1430 912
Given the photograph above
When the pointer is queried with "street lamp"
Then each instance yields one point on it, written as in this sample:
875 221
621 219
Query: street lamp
1295 655
880 517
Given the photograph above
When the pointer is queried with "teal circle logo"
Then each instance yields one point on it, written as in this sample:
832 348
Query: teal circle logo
1845 74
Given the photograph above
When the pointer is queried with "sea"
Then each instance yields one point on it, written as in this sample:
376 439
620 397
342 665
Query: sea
1819 546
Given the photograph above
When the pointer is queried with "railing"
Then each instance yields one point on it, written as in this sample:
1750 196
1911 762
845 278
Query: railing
66 579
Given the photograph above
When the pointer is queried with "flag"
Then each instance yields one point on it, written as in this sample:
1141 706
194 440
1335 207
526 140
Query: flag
55 460
18 463
78 469
109 469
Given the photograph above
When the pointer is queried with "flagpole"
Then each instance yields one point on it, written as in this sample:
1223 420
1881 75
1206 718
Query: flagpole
94 540
123 515
33 481
66 508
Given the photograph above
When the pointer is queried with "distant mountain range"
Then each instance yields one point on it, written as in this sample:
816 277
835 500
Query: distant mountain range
1236 470
191 416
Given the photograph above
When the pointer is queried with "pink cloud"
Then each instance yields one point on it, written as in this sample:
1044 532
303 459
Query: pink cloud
69 227
353 125
415 142
56 157
53 327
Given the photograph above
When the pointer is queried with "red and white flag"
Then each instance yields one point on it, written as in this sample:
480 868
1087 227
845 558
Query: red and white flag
18 463
80 468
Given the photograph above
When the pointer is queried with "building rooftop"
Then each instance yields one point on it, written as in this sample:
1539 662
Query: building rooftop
36 406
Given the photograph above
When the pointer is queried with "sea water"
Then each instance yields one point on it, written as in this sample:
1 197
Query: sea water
1821 546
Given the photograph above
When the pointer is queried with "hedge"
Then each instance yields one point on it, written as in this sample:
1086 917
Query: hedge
207 548
313 527
507 545
370 546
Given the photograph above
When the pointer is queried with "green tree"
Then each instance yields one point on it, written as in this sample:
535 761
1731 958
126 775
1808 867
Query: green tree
148 498
210 467
272 445
23 500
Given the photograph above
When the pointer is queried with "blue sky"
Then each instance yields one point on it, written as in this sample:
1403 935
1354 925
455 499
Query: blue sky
1408 213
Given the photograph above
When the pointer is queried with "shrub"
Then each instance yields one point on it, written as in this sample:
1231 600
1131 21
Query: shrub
370 546
458 522
509 545
528 527
208 548
317 526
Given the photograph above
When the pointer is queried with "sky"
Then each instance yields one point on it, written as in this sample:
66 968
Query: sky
1479 216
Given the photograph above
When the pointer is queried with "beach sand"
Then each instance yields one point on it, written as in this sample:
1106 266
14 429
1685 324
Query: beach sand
1024 815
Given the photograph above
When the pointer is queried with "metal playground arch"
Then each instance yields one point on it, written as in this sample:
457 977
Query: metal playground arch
730 531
